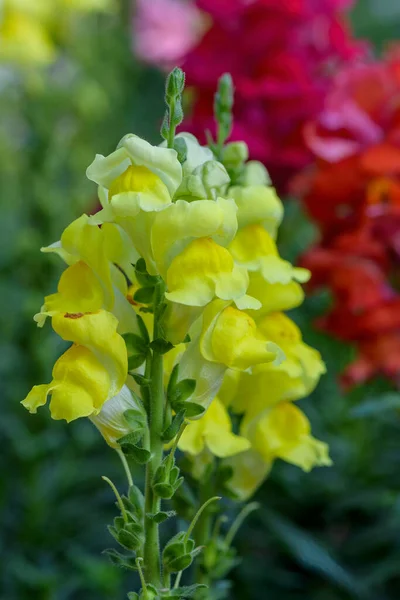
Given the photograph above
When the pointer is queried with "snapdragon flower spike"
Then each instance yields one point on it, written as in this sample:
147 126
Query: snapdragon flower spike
181 253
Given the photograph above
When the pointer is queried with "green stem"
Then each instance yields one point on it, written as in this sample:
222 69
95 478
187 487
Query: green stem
156 419
126 466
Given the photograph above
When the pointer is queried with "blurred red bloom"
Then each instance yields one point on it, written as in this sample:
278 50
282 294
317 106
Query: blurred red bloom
282 57
353 192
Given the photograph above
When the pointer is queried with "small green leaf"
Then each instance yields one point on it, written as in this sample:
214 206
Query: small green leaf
161 516
193 410
182 391
133 596
135 418
136 361
135 344
161 346
141 380
143 330
140 455
120 560
173 380
144 295
131 438
171 431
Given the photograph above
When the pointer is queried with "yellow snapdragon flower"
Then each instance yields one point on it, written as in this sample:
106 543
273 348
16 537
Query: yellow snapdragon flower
94 369
213 432
280 432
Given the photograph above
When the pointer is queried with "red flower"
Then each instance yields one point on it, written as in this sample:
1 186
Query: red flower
353 192
282 56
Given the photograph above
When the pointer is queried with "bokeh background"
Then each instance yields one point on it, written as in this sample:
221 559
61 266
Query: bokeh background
89 73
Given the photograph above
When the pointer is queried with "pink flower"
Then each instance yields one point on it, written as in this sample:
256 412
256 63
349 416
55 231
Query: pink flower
165 30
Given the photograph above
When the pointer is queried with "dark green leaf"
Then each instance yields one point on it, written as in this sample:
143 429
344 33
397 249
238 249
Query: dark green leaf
182 391
143 330
140 455
192 409
141 380
171 431
161 346
187 591
136 361
120 560
135 344
144 295
161 516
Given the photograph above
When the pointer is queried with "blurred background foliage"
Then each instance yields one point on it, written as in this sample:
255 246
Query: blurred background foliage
333 534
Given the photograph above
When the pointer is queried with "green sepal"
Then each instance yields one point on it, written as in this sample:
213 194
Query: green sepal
144 295
179 553
140 455
161 516
120 560
130 540
136 499
161 346
172 430
166 479
133 596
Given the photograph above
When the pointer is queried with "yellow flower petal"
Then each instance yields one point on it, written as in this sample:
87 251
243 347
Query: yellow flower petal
249 471
79 291
258 204
97 332
182 222
81 384
214 430
230 337
202 271
284 432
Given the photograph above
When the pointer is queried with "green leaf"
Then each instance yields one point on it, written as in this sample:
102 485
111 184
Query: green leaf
143 330
120 560
141 380
161 516
131 438
144 295
192 409
161 346
140 455
135 344
171 431
136 361
135 419
182 391
173 380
